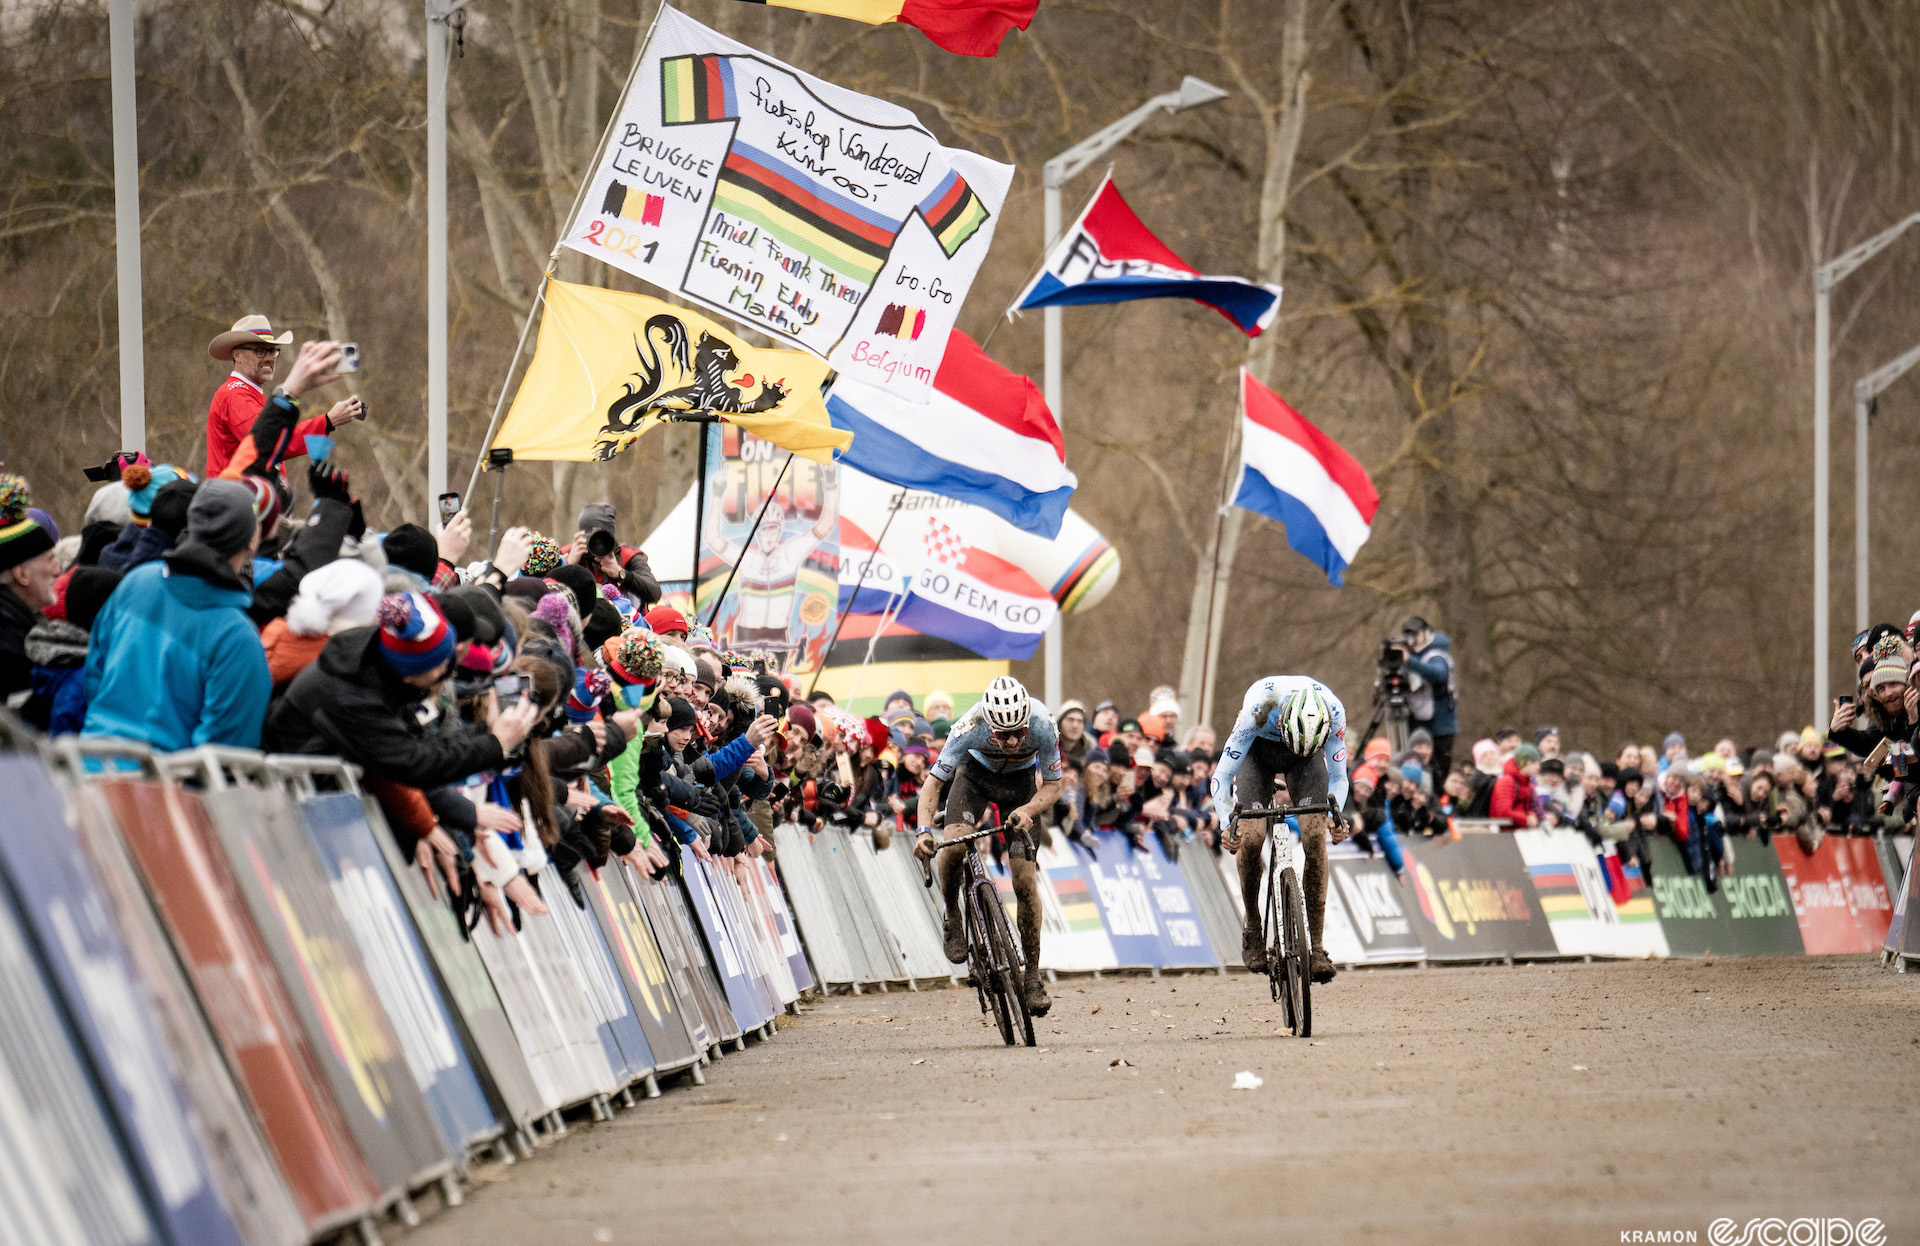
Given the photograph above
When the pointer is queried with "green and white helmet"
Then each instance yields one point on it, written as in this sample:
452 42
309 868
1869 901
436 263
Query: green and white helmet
1305 719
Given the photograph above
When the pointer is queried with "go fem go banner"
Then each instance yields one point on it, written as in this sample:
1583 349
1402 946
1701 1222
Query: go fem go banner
831 221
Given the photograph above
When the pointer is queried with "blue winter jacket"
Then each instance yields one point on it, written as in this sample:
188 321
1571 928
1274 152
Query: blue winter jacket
175 662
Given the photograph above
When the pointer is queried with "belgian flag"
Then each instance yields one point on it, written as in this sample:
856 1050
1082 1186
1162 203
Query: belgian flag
966 27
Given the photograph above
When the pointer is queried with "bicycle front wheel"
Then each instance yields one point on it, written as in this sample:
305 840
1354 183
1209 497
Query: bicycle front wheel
1277 946
1010 1006
1299 972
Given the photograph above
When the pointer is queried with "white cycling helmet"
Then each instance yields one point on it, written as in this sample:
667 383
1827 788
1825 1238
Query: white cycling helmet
1005 704
1305 720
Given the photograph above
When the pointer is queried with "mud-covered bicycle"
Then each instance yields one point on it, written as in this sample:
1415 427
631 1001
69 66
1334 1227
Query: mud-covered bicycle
994 958
1289 951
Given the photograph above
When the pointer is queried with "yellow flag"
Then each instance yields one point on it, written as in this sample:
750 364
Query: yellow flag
610 366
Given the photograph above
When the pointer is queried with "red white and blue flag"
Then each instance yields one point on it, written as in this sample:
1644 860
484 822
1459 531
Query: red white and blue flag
976 599
1110 257
1295 475
985 437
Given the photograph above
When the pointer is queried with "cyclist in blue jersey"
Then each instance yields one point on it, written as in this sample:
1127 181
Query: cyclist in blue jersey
1003 752
1291 729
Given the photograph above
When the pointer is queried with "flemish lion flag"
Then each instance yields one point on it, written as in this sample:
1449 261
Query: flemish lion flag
967 27
609 366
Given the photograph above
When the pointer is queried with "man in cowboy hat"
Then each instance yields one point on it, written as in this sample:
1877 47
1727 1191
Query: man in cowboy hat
254 349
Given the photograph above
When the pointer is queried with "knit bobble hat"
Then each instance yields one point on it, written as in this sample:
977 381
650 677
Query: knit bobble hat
552 611
588 687
143 485
21 539
543 558
633 658
414 637
332 598
1890 664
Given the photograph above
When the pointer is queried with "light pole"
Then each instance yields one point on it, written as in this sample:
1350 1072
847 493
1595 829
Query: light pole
1058 172
1825 277
126 227
1866 394
439 14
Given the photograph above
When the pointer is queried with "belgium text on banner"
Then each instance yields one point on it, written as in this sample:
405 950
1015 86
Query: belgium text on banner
986 438
1295 475
829 220
610 366
966 27
976 599
1109 256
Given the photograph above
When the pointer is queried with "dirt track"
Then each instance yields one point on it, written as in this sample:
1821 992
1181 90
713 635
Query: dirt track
1563 1103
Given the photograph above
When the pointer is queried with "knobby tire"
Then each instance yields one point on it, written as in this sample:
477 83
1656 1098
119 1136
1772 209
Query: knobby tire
1015 1025
1298 960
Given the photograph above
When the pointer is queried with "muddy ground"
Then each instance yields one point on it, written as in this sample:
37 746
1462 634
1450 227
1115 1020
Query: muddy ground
1563 1103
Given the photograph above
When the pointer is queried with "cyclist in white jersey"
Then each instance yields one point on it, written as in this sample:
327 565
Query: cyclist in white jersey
1003 752
1294 729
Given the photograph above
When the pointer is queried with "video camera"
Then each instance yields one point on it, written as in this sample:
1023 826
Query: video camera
1390 679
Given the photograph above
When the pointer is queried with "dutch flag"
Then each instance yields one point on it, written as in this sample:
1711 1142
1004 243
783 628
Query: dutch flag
984 437
1109 256
1295 475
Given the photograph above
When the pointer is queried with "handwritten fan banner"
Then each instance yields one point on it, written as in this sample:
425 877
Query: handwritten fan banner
829 220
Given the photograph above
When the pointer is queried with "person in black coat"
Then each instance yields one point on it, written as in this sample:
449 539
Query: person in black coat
359 699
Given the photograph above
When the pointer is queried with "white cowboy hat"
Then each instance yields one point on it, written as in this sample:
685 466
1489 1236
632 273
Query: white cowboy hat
248 330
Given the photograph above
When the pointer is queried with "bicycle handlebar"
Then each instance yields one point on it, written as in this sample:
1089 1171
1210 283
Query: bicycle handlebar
926 865
1326 807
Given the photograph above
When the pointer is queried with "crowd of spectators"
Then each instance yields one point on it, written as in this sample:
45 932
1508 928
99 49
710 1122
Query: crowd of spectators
543 704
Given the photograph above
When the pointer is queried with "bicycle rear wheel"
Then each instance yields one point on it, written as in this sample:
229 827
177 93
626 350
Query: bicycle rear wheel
1010 1006
1299 974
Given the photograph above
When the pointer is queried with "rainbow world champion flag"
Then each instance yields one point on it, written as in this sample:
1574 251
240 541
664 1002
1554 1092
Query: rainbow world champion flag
964 27
757 186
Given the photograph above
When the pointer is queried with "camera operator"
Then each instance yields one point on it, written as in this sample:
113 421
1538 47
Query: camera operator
596 547
1428 662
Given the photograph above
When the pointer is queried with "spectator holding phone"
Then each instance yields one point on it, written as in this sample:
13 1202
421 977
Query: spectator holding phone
1892 706
254 350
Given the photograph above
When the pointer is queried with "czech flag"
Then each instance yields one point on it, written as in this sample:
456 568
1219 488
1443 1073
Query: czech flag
1295 475
1110 257
976 599
984 437
966 27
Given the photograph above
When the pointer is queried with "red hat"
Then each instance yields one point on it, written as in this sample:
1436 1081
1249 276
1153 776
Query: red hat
667 621
801 716
1367 775
878 735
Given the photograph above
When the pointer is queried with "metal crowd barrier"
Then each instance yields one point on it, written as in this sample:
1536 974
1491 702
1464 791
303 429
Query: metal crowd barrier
231 1012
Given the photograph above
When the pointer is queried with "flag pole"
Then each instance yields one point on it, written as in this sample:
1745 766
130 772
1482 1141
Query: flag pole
862 583
553 257
748 543
894 606
1219 527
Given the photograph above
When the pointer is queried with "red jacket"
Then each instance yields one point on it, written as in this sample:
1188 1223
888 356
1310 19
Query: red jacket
1512 798
230 419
